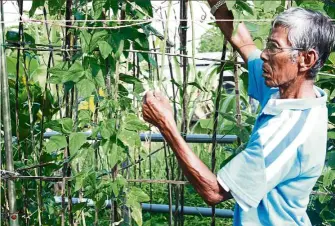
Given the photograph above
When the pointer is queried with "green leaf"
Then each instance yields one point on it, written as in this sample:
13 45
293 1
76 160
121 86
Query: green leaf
331 134
97 36
130 138
245 6
136 214
78 206
138 195
331 159
138 88
54 125
196 84
55 6
145 5
11 67
75 73
76 141
100 200
271 6
85 39
85 88
230 4
324 198
206 123
67 125
133 123
35 5
128 79
117 42
84 117
99 80
97 7
332 58
114 5
105 133
227 104
55 79
328 177
105 49
55 143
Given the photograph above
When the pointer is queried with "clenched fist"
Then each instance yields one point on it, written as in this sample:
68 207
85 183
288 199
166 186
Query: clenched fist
157 109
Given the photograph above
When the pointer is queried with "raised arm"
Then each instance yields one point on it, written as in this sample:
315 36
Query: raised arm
157 110
241 40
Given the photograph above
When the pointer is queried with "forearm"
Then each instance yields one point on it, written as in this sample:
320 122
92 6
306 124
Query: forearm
241 40
197 173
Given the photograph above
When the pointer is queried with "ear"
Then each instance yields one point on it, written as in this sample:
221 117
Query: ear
307 60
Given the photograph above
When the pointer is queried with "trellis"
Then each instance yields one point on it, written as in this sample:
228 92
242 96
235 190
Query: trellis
10 175
176 212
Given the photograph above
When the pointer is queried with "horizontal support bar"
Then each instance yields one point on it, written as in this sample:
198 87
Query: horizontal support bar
161 208
157 137
188 210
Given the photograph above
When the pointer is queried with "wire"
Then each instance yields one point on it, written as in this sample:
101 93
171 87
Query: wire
127 50
146 20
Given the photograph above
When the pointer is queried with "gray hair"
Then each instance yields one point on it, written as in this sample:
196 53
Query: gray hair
308 30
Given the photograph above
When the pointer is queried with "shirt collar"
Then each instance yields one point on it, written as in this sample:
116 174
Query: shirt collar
275 105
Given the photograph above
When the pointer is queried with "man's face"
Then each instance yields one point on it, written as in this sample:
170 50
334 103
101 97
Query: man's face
279 68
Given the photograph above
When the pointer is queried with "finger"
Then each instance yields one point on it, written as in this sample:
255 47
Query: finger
146 96
159 95
149 93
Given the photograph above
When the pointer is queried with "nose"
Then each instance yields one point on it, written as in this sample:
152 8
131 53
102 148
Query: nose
264 55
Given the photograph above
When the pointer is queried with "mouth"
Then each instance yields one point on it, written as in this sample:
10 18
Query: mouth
264 73
264 70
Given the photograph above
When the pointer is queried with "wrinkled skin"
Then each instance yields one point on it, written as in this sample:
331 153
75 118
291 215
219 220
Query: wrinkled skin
279 69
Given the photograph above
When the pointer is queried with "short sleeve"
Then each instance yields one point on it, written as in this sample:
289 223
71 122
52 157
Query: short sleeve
256 88
247 174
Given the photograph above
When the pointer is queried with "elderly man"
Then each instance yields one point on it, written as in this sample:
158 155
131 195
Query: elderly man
272 178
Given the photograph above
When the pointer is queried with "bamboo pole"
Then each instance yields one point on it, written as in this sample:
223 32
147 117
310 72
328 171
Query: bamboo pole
216 117
168 185
183 50
237 96
66 171
17 81
13 215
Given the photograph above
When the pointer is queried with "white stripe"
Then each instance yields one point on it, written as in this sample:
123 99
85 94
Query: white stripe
281 133
277 165
273 125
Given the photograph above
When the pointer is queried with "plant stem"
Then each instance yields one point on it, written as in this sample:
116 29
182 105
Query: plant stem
163 46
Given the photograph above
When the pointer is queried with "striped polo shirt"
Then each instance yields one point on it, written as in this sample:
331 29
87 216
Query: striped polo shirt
271 179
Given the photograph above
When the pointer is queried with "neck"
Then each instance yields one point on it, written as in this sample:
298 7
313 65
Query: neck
298 89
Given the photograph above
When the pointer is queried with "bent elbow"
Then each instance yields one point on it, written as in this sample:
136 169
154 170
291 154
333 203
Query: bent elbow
213 199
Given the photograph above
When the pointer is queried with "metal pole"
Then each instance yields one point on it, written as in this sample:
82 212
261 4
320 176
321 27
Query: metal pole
160 208
157 137
13 215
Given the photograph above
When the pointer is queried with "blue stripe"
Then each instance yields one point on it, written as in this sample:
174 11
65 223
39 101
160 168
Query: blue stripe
288 139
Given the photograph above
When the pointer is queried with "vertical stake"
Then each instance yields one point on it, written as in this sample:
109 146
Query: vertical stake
216 116
183 51
13 215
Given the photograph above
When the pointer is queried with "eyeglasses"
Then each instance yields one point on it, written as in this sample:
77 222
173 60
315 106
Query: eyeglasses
272 48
